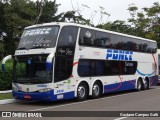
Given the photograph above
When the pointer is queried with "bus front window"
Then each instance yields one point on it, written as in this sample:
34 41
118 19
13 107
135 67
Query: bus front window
31 69
39 37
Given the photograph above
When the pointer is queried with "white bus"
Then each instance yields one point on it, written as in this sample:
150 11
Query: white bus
57 61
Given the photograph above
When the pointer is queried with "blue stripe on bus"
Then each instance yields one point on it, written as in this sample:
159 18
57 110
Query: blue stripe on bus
127 85
140 73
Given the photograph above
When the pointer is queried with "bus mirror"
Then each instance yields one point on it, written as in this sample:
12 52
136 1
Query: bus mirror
49 62
4 61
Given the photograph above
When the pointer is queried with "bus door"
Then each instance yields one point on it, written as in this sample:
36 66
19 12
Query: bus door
65 56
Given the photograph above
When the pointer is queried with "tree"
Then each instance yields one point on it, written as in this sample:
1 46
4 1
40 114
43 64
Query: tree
146 23
117 26
15 15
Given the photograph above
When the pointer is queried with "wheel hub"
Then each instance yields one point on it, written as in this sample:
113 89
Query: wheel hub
96 89
81 91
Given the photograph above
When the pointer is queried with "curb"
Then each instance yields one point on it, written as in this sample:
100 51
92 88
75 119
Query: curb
6 91
7 101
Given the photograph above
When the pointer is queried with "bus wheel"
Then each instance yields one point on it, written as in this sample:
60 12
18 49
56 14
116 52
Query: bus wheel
146 84
82 92
139 85
96 90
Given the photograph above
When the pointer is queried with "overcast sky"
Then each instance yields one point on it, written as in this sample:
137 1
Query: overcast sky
116 8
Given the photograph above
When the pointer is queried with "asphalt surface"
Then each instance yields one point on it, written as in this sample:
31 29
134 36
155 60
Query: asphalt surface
148 100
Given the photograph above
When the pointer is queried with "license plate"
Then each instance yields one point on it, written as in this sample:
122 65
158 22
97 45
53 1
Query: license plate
27 97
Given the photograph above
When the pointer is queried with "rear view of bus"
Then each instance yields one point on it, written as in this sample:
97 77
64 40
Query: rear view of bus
57 61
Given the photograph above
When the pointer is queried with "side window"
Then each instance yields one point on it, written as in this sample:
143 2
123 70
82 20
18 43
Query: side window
128 67
116 41
68 36
84 68
87 37
145 46
100 71
153 47
101 39
127 43
90 67
114 67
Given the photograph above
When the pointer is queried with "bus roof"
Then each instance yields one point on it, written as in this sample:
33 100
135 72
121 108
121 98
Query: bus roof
89 27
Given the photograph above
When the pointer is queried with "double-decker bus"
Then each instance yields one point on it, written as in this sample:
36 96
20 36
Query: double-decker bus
57 61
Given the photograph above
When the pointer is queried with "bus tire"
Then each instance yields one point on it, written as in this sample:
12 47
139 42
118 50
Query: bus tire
96 90
139 85
82 91
146 84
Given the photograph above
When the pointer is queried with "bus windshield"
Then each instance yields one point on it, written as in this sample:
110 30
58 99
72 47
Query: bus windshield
31 69
39 37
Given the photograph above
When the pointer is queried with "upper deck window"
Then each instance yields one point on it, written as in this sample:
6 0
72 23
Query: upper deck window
100 39
39 37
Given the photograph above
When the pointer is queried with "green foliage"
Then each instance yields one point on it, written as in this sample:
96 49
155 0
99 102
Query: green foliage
5 80
6 76
143 24
117 26
6 96
15 15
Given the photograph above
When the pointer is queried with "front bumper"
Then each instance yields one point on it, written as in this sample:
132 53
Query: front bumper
44 96
35 96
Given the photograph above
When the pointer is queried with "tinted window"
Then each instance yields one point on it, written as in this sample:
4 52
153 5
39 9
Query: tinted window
68 36
88 67
127 43
39 37
63 69
153 47
116 41
145 46
87 37
101 39
84 68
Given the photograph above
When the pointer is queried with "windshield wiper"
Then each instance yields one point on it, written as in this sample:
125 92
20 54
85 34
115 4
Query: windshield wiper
22 48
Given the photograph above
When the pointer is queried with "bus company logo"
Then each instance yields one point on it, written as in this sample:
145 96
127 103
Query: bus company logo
61 51
69 52
119 55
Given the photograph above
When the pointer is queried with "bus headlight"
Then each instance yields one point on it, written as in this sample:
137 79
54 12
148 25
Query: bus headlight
45 90
15 89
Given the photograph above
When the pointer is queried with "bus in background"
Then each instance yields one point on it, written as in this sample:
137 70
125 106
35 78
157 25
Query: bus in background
57 61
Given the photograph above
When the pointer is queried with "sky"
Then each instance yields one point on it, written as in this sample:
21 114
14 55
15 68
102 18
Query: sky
116 8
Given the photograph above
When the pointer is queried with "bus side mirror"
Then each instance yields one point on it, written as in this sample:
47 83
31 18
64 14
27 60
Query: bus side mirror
4 61
49 62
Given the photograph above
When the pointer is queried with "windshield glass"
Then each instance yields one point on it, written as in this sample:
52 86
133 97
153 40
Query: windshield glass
39 37
31 69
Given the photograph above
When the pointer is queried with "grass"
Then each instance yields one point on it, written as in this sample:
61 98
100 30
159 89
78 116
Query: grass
6 96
